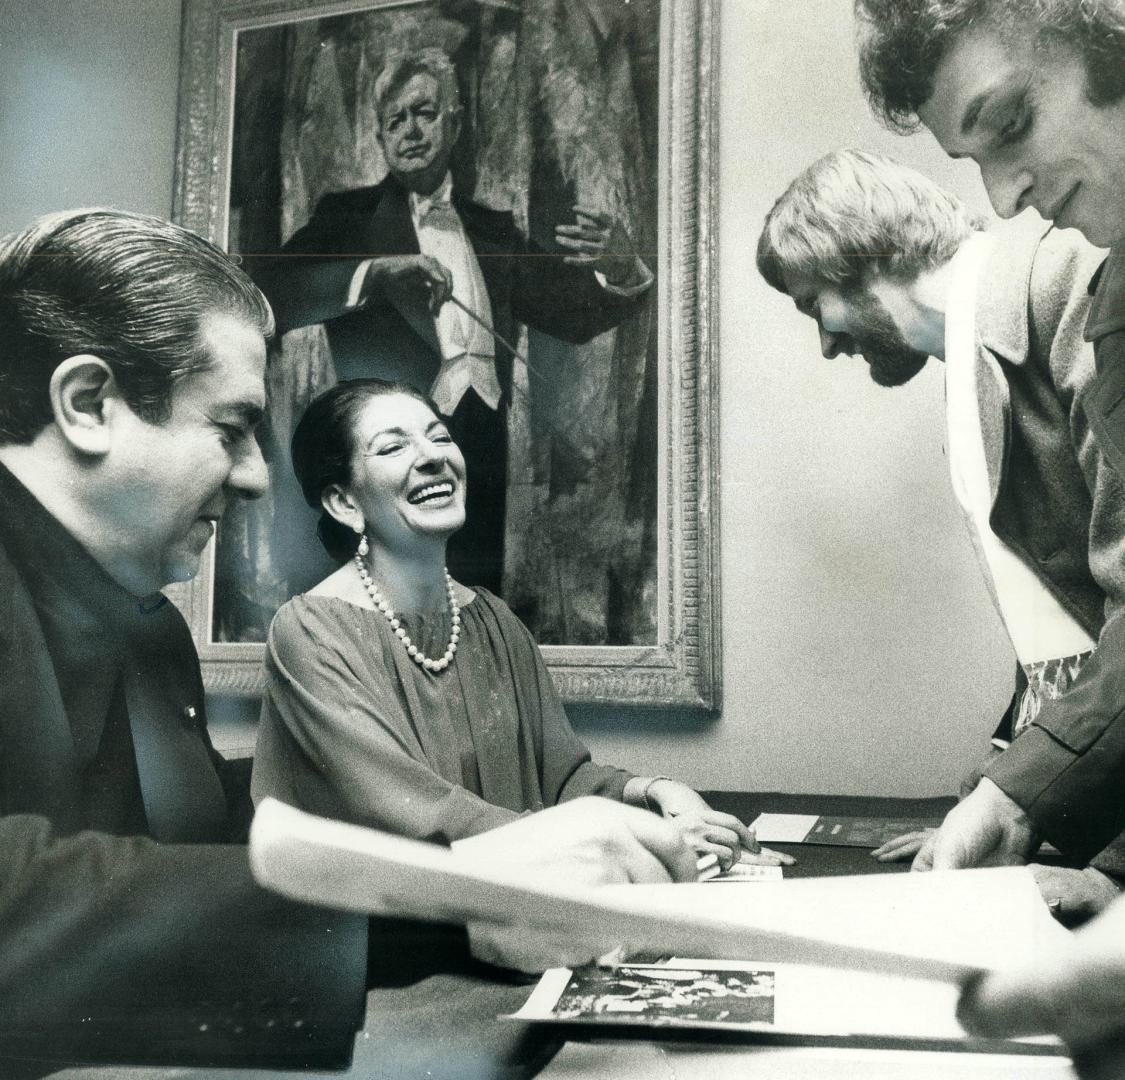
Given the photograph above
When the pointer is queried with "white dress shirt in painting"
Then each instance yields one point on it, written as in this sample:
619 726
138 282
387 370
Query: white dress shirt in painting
468 350
468 354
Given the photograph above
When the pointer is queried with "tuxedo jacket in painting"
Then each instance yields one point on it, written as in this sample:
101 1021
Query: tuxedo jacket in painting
393 336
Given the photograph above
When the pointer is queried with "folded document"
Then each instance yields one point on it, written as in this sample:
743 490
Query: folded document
835 830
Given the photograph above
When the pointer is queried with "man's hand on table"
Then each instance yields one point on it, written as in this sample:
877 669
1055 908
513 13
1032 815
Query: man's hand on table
903 847
1075 896
987 828
1077 992
589 841
918 845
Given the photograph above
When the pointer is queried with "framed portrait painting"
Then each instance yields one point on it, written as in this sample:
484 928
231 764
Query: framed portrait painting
601 425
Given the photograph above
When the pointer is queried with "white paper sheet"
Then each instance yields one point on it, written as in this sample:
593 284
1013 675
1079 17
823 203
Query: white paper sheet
783 828
942 927
747 872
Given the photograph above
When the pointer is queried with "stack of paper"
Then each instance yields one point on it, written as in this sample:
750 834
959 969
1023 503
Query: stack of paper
979 918
880 954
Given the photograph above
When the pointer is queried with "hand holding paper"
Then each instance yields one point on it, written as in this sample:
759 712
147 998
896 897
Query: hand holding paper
505 884
1074 990
577 842
588 841
896 924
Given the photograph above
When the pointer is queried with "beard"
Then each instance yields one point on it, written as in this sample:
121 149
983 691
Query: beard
893 367
891 360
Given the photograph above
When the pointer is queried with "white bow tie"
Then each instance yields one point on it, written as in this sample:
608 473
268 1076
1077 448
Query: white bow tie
436 208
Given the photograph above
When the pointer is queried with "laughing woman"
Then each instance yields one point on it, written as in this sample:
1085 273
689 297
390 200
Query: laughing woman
397 697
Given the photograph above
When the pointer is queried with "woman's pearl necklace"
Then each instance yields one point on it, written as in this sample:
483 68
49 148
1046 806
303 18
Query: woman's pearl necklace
412 650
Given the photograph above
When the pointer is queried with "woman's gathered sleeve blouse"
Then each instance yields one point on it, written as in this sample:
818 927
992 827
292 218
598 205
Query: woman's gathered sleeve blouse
335 739
567 769
352 728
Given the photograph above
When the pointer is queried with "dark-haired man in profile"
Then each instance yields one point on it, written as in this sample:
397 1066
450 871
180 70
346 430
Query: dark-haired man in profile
132 357
132 360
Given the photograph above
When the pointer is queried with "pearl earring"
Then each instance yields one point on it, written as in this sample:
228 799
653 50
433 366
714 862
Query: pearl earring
363 548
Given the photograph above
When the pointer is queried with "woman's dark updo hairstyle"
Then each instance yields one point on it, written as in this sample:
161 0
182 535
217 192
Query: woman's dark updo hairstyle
324 444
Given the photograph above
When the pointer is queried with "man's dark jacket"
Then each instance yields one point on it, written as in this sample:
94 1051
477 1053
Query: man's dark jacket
119 947
392 336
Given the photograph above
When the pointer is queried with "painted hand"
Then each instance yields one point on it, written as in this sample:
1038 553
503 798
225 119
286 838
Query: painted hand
409 275
600 241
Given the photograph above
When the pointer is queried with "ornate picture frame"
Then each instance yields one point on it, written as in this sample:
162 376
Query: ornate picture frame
679 664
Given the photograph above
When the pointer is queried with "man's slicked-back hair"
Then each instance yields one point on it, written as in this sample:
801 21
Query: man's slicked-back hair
850 213
902 42
401 67
127 288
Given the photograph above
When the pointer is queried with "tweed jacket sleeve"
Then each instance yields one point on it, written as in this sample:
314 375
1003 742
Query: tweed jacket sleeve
1067 770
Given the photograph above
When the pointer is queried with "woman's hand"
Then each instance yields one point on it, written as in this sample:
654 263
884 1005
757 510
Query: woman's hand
711 831
674 798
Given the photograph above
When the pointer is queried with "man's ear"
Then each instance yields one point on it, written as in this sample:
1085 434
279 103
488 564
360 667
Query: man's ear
455 125
84 394
341 506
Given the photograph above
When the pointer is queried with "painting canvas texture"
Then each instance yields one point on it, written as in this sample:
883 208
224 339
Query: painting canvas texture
560 101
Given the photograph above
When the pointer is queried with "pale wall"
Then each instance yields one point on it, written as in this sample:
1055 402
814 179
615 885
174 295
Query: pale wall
87 105
860 652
